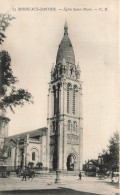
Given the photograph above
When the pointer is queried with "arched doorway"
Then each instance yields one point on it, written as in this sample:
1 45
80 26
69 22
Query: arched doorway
70 162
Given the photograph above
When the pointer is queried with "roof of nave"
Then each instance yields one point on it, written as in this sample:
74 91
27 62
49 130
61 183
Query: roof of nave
32 134
65 49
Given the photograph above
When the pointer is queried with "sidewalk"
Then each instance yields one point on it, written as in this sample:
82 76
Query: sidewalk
87 184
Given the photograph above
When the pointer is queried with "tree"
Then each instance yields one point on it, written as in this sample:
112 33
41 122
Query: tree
111 155
113 148
5 20
10 95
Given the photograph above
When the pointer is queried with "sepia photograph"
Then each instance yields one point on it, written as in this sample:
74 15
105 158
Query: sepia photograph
59 97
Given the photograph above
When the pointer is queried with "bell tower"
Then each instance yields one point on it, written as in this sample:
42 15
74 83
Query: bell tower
65 131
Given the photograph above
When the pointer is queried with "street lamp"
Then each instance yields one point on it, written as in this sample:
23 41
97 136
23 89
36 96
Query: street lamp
58 174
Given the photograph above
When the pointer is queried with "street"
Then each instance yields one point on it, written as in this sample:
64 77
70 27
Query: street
45 184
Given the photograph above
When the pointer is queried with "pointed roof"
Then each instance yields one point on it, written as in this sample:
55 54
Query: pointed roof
65 49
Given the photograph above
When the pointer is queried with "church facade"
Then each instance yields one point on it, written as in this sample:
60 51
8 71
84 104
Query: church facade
60 144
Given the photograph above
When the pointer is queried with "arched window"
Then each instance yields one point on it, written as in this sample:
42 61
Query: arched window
74 99
74 126
69 125
33 155
68 97
9 152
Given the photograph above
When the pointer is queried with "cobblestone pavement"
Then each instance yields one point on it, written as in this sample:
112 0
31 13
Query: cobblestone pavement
87 184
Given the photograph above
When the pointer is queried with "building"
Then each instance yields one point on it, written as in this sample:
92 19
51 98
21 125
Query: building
27 147
65 109
91 165
60 145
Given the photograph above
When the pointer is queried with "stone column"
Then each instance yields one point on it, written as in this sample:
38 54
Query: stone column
13 156
64 123
50 114
65 145
24 155
81 128
27 150
17 152
48 106
58 171
47 147
65 98
77 103
50 102
60 101
44 149
60 145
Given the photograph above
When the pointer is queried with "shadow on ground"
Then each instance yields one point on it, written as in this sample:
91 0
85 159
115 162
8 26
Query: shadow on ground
61 191
115 185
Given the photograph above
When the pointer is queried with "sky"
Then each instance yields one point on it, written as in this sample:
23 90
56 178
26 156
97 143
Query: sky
32 42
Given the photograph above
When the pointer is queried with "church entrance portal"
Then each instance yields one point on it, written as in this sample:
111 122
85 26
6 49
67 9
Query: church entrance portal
70 162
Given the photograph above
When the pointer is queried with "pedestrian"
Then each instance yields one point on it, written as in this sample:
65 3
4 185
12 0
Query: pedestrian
80 175
112 174
24 176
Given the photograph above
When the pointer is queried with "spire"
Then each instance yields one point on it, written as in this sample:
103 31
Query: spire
65 49
65 28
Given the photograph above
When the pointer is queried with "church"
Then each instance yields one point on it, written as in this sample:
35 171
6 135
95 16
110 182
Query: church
60 144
